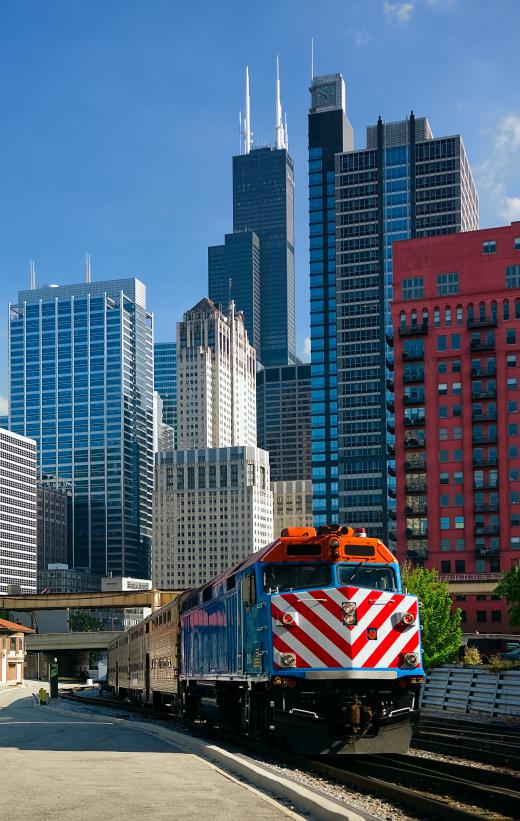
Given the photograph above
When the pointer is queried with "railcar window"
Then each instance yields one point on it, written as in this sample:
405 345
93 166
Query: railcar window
296 576
361 575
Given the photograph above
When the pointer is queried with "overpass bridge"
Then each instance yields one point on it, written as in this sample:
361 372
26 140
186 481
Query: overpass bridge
89 601
56 642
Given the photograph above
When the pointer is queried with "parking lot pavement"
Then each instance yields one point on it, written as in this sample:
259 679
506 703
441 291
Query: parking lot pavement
70 768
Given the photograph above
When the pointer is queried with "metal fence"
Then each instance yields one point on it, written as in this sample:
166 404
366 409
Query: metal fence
475 690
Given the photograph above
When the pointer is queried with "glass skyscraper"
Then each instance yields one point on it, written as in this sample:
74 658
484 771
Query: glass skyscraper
329 133
234 273
81 385
263 202
404 184
165 379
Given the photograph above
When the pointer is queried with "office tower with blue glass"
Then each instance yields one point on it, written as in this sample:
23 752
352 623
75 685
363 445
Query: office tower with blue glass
329 134
404 184
234 274
81 385
165 379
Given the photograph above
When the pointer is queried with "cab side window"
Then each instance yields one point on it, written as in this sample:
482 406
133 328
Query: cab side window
249 589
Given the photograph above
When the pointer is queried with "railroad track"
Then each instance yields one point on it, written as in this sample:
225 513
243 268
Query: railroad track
433 790
475 741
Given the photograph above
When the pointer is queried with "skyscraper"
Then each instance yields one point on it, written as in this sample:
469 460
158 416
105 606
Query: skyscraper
456 313
216 372
405 183
329 133
17 512
165 379
212 499
283 412
234 274
263 205
81 385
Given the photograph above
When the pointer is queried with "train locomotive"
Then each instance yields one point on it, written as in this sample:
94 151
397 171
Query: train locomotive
311 641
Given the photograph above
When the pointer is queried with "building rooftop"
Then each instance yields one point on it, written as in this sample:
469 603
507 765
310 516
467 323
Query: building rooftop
11 627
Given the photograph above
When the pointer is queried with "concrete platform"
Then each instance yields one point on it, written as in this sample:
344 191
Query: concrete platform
71 768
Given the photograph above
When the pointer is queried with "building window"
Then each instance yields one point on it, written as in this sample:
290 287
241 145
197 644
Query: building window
511 360
444 478
512 429
443 389
445 545
457 410
455 342
443 433
460 566
443 456
441 343
413 288
511 382
496 615
512 407
447 284
459 545
513 474
517 243
457 433
510 336
489 247
459 522
442 367
513 452
513 276
445 566
445 522
443 411
455 366
481 615
458 478
457 388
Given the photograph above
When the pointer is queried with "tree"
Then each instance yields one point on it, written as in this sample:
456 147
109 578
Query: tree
441 633
81 622
508 588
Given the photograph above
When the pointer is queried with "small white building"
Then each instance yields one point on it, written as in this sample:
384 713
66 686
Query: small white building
12 652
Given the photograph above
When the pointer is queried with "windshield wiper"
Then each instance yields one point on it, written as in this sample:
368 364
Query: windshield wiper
356 568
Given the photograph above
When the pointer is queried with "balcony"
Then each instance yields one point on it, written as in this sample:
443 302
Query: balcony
487 552
413 400
390 406
413 443
469 577
482 344
490 393
412 514
414 421
390 365
487 530
391 471
477 373
390 450
392 535
485 322
389 340
415 487
490 485
415 553
413 356
414 330
418 376
490 462
415 464
487 507
490 439
411 535
391 492
390 385
391 429
490 416
392 514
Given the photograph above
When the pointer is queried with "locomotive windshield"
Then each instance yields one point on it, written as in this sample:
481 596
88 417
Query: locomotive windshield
367 575
278 578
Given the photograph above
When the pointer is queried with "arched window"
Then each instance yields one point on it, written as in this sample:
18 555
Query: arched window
482 311
447 316
414 318
459 315
471 312
402 320
494 311
436 317
425 316
517 308
505 308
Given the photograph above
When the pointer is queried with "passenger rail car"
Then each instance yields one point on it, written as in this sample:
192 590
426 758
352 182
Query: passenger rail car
310 640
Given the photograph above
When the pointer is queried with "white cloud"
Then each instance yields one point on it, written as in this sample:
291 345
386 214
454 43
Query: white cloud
511 211
307 346
361 37
499 172
401 12
4 406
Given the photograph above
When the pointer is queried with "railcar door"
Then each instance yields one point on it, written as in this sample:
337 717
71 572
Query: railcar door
254 630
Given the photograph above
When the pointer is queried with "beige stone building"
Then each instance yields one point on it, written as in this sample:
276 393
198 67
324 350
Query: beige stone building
292 505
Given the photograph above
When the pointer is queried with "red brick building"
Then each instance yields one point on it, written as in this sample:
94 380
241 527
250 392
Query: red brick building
456 316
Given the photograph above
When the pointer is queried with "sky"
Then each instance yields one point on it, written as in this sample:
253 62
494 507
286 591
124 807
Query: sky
119 120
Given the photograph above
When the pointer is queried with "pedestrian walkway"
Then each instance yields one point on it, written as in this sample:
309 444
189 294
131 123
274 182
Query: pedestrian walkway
73 768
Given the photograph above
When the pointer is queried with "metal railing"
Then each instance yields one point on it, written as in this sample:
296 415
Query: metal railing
465 690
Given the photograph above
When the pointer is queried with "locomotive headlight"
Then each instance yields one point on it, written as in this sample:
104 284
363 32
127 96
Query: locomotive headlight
408 619
410 659
288 659
348 609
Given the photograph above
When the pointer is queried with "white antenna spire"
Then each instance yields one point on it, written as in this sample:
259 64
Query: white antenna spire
87 268
32 275
312 59
247 118
280 135
286 133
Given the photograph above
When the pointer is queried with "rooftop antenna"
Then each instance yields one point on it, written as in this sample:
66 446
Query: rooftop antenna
279 131
312 59
247 118
87 268
32 275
